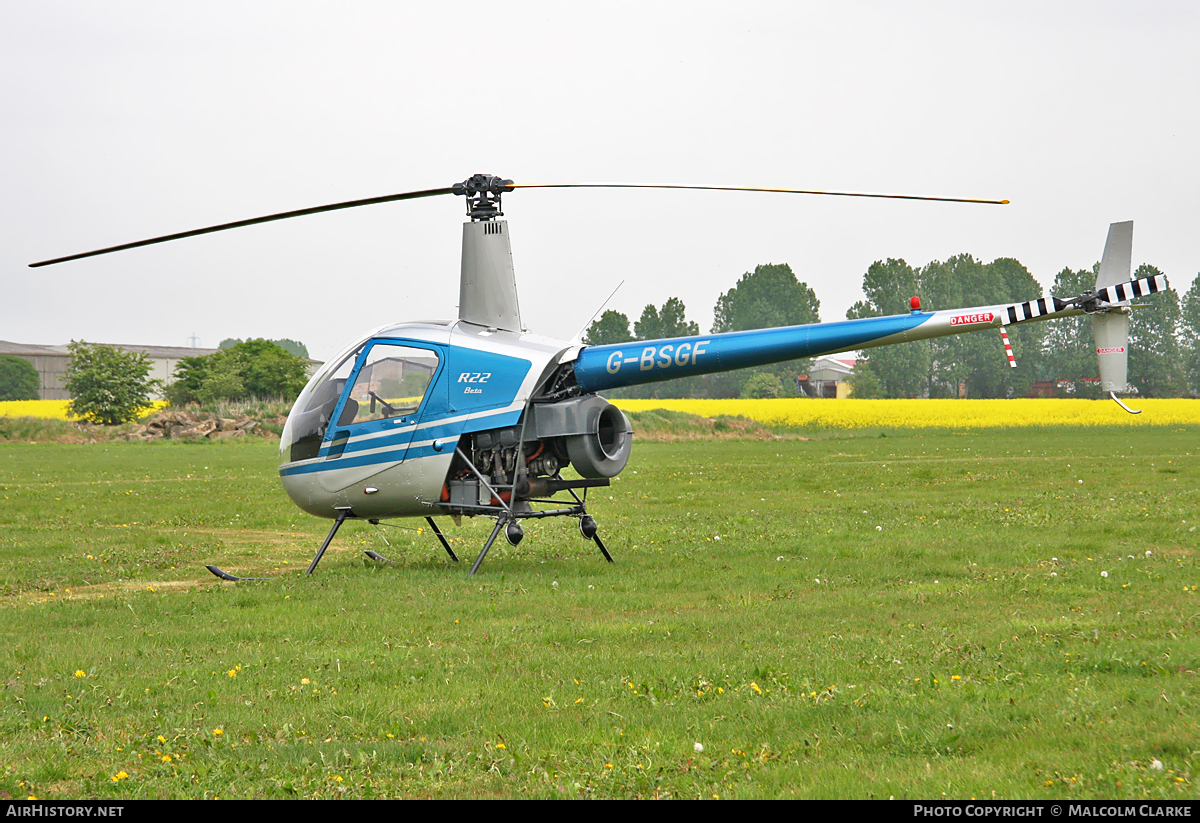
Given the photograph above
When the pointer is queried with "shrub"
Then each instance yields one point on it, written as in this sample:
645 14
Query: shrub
108 385
763 385
254 368
18 379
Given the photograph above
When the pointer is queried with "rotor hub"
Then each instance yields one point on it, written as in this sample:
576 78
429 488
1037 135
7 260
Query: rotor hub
483 195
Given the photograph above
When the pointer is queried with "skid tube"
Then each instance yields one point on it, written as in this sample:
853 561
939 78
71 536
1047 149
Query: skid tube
587 528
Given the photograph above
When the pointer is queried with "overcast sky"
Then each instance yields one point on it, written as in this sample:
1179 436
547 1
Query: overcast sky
126 120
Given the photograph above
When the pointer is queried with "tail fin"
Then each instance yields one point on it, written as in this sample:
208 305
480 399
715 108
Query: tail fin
1110 329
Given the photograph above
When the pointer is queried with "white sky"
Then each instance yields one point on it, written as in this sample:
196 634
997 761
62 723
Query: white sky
127 120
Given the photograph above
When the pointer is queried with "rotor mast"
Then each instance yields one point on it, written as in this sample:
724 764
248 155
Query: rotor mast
487 292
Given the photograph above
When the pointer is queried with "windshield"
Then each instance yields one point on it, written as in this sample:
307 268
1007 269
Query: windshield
306 425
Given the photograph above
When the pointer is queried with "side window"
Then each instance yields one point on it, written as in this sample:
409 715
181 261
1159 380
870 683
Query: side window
391 383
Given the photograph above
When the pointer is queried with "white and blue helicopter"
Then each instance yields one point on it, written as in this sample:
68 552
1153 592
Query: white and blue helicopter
478 417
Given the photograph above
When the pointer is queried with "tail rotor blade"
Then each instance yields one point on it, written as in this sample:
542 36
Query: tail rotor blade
1124 292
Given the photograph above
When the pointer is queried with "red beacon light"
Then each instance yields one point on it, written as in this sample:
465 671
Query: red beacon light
914 303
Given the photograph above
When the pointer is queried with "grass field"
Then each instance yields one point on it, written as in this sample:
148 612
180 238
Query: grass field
963 613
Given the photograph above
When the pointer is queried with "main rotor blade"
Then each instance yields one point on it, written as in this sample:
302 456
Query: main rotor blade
349 204
751 188
412 195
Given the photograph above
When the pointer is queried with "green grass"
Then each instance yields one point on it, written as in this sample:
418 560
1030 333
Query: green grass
915 615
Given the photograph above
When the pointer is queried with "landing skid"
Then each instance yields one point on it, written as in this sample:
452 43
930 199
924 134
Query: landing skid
232 577
343 513
509 523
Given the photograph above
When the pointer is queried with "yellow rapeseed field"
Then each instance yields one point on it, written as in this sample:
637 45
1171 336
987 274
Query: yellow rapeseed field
857 414
51 409
805 413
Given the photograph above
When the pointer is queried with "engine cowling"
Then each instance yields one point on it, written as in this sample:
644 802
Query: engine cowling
597 435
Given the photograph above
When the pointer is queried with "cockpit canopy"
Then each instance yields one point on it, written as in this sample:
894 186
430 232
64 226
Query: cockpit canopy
386 378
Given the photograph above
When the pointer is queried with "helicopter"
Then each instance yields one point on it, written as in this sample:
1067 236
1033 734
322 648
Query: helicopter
479 417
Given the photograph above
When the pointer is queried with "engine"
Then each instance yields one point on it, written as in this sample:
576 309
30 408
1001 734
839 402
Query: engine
523 462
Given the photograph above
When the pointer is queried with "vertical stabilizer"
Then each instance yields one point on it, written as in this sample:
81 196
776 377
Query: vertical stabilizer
487 292
1117 263
1111 333
1110 330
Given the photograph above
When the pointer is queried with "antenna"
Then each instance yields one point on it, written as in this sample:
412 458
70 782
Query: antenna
578 338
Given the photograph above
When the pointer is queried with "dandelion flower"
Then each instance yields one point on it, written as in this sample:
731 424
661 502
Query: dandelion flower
80 673
217 732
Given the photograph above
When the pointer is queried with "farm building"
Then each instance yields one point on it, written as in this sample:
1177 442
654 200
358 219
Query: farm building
51 362
827 377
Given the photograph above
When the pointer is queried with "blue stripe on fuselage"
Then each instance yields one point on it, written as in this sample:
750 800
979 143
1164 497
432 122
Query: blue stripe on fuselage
388 457
448 432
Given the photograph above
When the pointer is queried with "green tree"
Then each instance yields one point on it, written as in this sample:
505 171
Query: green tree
658 323
1189 336
108 385
189 376
901 370
261 368
18 379
270 371
864 385
768 297
763 385
939 366
977 360
1070 350
293 346
223 380
610 327
1155 360
669 321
